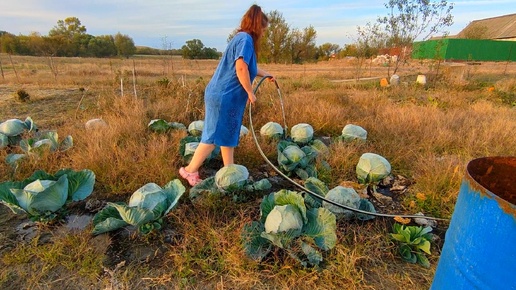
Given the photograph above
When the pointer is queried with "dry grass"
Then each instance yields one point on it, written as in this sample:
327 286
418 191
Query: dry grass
427 133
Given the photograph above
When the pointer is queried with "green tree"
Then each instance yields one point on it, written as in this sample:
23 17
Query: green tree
275 46
193 49
124 45
8 42
327 50
72 36
303 46
210 53
68 28
349 50
102 46
280 44
408 20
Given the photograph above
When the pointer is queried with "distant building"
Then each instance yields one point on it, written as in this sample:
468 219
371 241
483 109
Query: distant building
490 39
495 28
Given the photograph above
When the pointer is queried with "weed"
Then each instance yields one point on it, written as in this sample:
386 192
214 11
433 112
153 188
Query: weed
22 95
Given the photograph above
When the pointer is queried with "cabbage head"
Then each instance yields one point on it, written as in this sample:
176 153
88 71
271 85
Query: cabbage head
188 145
291 157
285 222
46 140
231 177
15 127
319 147
145 210
302 133
353 132
345 196
190 148
243 131
284 218
272 130
42 195
372 168
195 128
162 126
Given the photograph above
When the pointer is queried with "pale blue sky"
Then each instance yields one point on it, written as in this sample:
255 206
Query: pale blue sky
164 23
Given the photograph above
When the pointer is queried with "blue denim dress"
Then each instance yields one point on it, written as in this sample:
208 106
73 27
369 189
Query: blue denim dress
224 98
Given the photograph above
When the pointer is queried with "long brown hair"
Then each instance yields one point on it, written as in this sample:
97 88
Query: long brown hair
253 22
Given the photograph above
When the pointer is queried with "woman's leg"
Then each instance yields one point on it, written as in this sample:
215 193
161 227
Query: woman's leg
201 153
227 155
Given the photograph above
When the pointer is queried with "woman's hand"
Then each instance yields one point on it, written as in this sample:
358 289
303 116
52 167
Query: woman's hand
251 97
262 73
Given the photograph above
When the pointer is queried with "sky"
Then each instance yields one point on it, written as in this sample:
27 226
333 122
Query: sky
170 23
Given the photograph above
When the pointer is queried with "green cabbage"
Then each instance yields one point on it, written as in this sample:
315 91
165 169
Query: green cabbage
293 159
272 130
345 196
145 210
284 218
285 222
353 132
231 177
372 168
243 131
190 148
43 194
162 126
13 127
302 133
294 153
195 128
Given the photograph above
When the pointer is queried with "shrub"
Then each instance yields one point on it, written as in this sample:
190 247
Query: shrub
22 96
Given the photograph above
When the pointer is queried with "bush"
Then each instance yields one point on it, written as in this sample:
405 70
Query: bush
22 96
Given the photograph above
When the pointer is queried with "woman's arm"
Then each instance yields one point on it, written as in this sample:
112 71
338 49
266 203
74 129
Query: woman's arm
263 73
242 72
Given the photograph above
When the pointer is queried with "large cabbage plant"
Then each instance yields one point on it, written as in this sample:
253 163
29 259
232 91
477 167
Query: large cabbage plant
231 179
162 126
11 131
371 169
341 195
145 210
35 146
352 132
300 161
188 145
195 128
272 130
285 222
43 196
302 133
297 155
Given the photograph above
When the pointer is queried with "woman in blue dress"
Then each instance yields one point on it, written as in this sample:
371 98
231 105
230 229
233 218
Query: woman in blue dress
228 92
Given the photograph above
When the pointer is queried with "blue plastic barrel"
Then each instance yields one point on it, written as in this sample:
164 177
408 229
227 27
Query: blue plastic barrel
479 250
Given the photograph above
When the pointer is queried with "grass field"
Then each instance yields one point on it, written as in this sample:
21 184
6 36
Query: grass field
428 133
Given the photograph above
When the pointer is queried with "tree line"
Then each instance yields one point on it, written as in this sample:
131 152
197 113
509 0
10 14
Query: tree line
406 21
67 39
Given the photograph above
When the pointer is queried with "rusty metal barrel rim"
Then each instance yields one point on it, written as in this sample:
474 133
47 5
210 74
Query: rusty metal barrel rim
495 177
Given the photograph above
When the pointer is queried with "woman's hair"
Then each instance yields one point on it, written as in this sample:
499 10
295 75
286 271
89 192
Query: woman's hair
253 22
